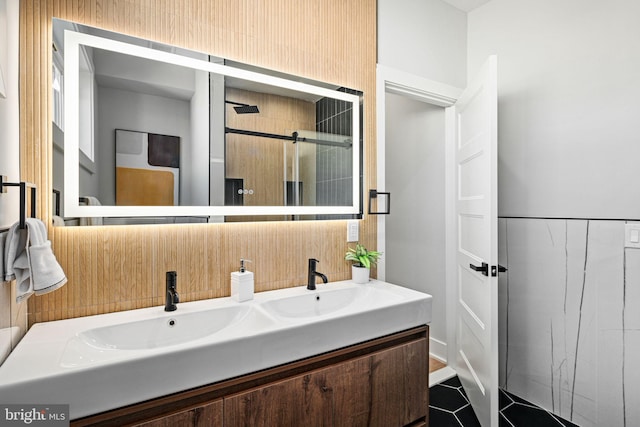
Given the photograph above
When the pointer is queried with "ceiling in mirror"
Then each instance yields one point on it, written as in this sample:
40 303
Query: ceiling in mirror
156 133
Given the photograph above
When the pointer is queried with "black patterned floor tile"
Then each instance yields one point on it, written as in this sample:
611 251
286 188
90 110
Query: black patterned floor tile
463 392
520 406
467 417
526 416
439 418
517 399
452 382
446 398
505 400
449 407
504 422
564 422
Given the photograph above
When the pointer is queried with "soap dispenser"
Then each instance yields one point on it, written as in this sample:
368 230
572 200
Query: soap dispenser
242 283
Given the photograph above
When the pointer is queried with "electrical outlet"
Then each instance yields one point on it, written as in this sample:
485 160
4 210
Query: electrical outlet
632 235
353 231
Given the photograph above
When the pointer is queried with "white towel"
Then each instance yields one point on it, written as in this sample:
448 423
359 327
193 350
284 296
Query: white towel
16 261
91 201
30 260
46 273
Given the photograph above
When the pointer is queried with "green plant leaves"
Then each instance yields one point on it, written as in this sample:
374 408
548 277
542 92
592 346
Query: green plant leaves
361 256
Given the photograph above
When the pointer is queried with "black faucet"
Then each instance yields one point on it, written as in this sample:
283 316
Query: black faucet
171 293
311 282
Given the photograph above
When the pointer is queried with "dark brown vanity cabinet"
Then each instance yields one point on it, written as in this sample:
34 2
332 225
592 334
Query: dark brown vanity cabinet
209 415
384 389
382 382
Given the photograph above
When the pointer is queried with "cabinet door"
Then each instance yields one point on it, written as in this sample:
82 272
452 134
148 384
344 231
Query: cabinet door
208 415
315 399
400 385
386 389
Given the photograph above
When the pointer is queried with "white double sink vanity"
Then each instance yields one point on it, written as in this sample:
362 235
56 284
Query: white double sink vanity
101 363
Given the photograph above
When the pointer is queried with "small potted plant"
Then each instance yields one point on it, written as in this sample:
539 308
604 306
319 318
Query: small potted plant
362 260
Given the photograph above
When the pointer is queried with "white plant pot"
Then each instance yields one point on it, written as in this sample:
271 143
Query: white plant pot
360 274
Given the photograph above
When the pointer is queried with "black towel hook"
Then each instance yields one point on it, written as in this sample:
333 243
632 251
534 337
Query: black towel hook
23 197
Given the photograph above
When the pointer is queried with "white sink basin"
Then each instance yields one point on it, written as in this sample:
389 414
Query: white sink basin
171 329
108 361
328 301
314 303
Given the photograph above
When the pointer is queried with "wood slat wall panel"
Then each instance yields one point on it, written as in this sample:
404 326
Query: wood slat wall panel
123 267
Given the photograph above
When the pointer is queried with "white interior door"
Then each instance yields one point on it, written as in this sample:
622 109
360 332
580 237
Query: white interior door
476 308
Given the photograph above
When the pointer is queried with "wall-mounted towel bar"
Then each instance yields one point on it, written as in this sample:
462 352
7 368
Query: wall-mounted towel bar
23 197
382 202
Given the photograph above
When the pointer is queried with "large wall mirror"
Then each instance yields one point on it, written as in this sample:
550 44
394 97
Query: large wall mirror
150 133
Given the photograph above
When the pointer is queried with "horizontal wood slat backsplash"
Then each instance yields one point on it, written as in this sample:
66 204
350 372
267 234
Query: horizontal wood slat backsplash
123 267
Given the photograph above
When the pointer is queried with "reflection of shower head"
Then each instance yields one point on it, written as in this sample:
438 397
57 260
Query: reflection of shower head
244 108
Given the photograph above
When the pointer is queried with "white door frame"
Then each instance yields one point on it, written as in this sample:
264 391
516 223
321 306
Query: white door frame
431 92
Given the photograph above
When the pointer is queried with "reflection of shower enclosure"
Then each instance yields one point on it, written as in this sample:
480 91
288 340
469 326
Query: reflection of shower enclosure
334 177
289 151
321 164
301 170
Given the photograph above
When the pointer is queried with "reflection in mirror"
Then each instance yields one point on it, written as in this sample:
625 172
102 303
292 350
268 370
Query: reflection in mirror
155 133
147 169
295 167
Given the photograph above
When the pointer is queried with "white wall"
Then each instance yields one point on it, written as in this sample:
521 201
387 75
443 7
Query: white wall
13 316
568 112
139 112
9 111
415 230
423 37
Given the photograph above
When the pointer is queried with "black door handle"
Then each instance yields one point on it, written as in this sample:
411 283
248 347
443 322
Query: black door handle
495 269
484 268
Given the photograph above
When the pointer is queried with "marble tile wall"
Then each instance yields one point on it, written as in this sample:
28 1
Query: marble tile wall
570 318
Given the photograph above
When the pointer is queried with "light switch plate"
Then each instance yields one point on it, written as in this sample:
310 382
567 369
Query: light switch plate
353 231
632 235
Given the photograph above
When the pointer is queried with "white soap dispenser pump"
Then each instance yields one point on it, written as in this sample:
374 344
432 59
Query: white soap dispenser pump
242 283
